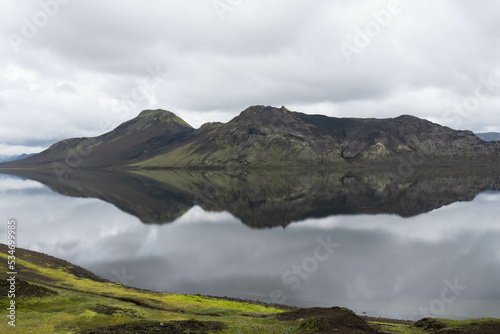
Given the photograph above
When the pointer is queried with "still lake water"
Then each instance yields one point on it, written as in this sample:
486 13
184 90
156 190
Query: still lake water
428 245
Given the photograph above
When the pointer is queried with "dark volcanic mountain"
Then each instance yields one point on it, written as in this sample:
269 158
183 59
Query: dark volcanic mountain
269 137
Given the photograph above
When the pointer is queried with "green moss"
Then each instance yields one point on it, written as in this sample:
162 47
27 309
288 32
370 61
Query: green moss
463 323
310 325
81 304
398 328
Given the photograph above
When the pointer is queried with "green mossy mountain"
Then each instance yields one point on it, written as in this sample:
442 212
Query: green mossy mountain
269 137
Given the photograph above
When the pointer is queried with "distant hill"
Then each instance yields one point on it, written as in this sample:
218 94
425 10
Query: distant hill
6 158
489 136
268 137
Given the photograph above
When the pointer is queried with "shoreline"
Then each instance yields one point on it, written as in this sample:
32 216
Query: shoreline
56 296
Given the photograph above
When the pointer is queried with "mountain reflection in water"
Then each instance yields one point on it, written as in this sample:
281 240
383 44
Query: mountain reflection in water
396 250
262 199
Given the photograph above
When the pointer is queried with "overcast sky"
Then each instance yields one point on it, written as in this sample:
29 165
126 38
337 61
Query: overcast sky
79 68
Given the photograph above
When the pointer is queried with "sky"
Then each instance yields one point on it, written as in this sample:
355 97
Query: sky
74 68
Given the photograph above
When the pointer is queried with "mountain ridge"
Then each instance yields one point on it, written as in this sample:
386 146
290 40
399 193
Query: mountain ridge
270 137
489 136
265 136
7 158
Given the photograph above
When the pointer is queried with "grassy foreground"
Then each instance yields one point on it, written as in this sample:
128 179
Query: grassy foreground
53 296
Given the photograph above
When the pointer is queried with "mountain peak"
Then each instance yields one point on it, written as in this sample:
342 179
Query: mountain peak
164 116
149 112
260 112
406 116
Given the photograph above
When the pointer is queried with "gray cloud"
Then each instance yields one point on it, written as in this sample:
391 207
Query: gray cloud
89 62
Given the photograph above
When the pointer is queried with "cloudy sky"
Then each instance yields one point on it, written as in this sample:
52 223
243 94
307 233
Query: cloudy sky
72 68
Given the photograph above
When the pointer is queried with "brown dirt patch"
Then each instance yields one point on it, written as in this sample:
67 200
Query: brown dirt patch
208 314
111 310
429 324
144 302
24 289
328 320
171 327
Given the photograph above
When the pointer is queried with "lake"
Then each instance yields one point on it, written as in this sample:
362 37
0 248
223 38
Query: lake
427 244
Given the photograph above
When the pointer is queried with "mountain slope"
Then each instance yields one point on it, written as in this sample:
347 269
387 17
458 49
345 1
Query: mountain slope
262 136
139 138
266 136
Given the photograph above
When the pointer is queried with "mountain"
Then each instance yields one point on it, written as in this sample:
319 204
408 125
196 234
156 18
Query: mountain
268 137
489 136
265 136
137 139
6 158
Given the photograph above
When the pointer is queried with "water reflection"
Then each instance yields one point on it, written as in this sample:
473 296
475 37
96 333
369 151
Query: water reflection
385 264
272 198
